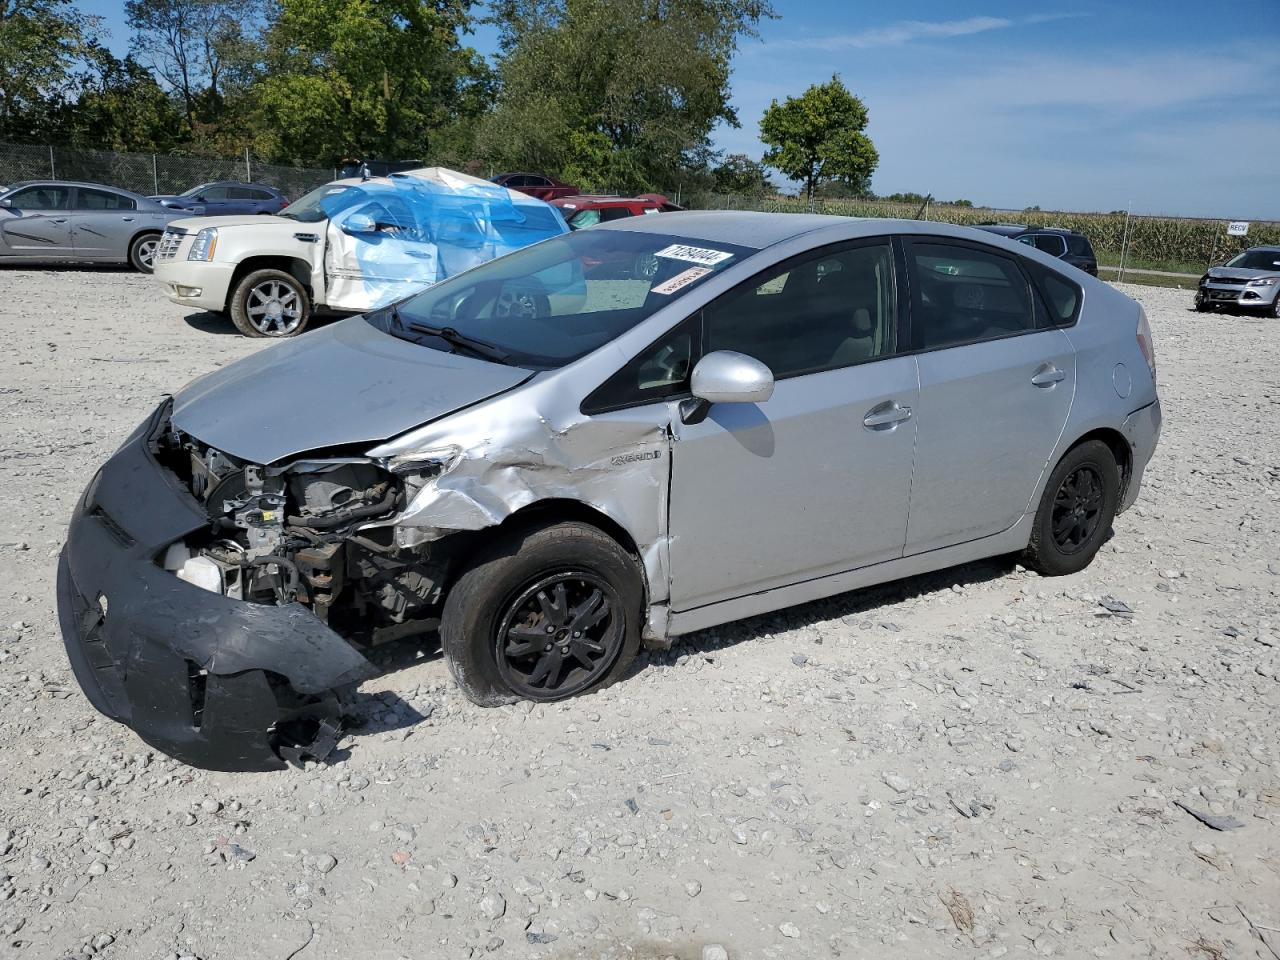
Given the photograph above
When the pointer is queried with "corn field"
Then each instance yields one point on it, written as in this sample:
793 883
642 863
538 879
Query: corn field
1170 240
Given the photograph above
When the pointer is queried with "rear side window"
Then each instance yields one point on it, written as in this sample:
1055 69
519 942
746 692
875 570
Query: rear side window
87 199
964 295
614 213
1078 246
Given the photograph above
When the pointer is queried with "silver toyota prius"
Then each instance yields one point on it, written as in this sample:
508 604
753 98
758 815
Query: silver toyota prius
608 439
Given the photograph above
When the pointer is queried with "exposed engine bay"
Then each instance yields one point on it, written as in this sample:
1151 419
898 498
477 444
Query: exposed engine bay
307 532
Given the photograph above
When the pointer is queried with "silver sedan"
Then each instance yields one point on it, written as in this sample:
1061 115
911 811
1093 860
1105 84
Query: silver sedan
61 220
554 458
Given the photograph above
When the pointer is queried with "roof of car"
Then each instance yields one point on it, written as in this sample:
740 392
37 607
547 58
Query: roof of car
604 201
1270 248
745 228
1004 229
77 183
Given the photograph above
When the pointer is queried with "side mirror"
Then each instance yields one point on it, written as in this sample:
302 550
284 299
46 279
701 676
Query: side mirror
359 223
726 376
6 202
199 198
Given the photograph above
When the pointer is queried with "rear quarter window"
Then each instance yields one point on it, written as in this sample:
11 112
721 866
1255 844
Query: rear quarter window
1061 297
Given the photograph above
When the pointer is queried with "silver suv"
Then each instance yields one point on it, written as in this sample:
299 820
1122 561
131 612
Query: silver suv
553 459
1249 280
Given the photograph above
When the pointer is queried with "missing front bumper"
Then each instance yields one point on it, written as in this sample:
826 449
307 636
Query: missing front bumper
215 682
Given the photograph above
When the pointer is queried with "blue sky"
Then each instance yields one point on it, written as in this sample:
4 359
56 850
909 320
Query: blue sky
1172 106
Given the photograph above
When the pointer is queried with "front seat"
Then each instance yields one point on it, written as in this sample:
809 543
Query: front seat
856 293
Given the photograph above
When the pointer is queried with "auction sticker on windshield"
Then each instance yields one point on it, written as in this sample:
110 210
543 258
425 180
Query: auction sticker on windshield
681 280
699 255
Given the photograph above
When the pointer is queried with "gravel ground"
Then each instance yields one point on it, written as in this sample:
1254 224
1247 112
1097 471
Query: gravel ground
976 763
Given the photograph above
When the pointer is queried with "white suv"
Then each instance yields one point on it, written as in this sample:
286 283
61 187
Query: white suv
349 246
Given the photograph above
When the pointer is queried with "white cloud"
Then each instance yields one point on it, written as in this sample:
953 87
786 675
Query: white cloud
905 31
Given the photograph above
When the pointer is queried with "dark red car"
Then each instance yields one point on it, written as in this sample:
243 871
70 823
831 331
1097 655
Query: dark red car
535 184
586 211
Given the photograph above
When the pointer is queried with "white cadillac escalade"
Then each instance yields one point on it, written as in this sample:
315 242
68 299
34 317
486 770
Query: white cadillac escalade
348 246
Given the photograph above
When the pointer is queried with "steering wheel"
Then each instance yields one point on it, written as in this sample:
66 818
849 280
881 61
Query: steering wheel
521 305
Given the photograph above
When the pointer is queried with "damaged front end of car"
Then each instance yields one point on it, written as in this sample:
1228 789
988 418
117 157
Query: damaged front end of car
220 608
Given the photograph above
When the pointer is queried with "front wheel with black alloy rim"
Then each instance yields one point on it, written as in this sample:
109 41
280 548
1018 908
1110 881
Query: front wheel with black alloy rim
270 303
142 252
545 614
1076 510
1275 306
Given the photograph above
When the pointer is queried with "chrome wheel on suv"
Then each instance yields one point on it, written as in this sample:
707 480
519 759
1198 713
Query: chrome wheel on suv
270 303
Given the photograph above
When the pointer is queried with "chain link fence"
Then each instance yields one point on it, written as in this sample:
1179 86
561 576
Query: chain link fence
150 173
1176 246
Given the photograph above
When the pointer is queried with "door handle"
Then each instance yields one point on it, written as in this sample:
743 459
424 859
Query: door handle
127 219
1047 375
58 220
886 416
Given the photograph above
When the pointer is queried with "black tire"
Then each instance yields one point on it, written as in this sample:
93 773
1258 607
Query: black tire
270 303
508 601
1275 307
1076 510
142 252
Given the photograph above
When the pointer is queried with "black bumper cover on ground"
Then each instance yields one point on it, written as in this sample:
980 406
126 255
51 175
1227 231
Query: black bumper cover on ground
215 682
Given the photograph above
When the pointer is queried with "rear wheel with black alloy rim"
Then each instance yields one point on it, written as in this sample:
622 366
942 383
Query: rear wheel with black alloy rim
1076 510
142 252
543 615
270 303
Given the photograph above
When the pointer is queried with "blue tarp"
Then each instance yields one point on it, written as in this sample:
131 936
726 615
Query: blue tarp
390 237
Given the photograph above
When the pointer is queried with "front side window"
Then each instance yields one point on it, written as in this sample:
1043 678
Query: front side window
214 193
41 198
962 295
88 199
818 312
549 304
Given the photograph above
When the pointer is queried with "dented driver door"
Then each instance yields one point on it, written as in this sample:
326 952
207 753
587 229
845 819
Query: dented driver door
376 252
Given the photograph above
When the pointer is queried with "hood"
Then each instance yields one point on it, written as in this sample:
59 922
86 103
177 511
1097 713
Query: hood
1240 273
192 224
347 383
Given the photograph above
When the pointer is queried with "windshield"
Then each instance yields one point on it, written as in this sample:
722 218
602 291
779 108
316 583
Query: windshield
549 304
321 203
1257 260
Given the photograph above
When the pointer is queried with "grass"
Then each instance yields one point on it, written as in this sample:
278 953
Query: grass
1148 280
1110 258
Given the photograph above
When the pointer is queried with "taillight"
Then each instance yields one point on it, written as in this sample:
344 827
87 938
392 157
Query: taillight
1144 341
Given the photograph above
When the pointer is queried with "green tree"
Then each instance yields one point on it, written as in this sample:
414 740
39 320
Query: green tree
41 46
819 137
365 77
119 106
619 94
188 44
738 173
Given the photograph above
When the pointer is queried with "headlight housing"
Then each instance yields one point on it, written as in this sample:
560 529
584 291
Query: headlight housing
1264 282
205 243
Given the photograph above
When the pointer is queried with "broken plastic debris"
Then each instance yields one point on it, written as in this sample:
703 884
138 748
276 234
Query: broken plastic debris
1211 820
1117 608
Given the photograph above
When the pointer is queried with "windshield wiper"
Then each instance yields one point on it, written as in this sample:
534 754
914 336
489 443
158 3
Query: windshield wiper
479 348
